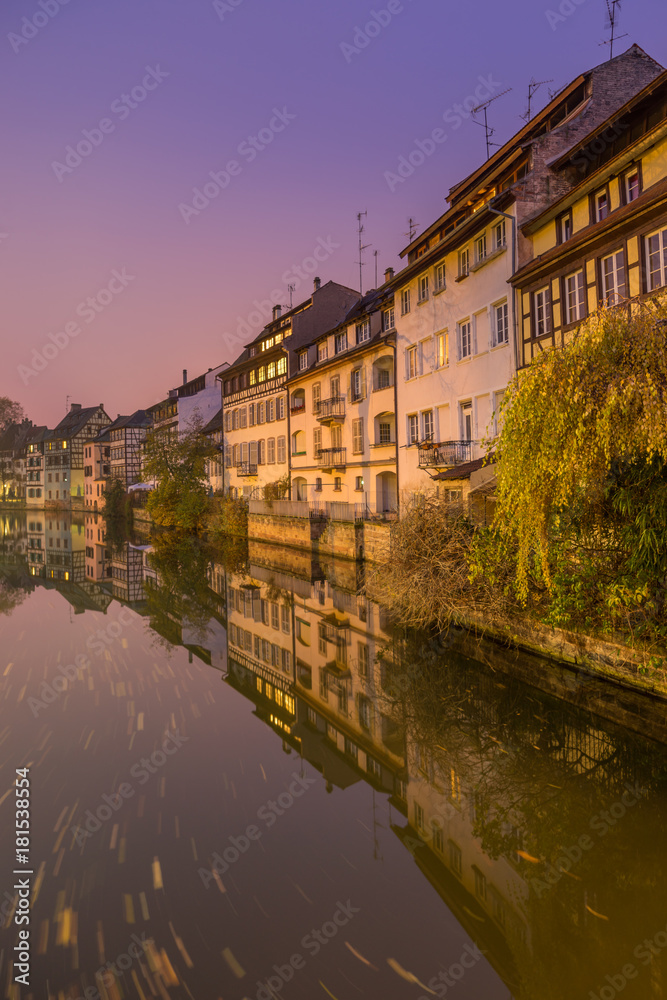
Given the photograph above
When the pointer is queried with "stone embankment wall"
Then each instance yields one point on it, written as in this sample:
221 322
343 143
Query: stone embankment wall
334 539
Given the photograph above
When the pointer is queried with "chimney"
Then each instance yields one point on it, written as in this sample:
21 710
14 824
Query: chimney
388 274
277 311
185 375
74 407
316 284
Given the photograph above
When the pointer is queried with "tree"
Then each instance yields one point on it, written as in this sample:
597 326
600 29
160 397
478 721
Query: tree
178 465
10 413
581 524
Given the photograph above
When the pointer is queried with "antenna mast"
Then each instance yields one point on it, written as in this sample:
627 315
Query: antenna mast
375 254
412 229
362 247
613 7
533 87
487 128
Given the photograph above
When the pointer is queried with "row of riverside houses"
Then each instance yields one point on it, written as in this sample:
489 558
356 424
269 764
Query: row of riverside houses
359 402
366 400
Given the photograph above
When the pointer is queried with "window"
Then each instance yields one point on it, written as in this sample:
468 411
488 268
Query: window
281 367
564 227
438 839
439 277
271 370
317 397
271 451
243 417
252 377
388 321
359 483
317 441
419 817
261 412
385 433
405 301
318 484
413 429
631 186
340 342
465 339
323 350
501 329
480 884
422 288
441 350
280 408
480 249
275 616
363 332
542 322
281 449
261 374
412 362
601 205
284 619
358 436
427 424
455 859
464 262
357 382
499 239
342 700
303 360
334 386
656 260
466 421
270 410
574 297
613 277
338 484
365 712
383 378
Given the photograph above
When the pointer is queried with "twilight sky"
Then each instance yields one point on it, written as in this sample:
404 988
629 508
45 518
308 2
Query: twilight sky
180 88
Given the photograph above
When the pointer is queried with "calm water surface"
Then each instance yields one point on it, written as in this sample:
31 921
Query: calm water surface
246 783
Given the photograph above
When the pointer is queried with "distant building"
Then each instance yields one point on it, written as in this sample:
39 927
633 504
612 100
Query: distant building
256 417
64 454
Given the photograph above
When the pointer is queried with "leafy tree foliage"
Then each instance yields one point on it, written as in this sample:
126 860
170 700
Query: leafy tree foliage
11 412
581 526
178 465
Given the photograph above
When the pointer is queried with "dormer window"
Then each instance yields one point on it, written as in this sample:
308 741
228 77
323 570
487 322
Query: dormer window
601 204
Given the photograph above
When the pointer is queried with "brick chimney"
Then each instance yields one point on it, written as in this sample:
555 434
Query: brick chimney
185 375
316 284
388 274
74 407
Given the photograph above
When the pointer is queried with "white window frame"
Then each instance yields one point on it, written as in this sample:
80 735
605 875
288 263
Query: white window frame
480 249
428 425
464 262
464 333
574 284
363 331
405 301
612 288
323 350
442 349
388 319
413 428
303 360
440 278
422 288
661 251
340 342
542 312
499 228
499 340
599 213
412 361
626 185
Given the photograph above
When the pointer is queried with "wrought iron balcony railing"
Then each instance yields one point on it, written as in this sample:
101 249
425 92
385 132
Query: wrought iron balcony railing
246 469
445 455
332 458
330 410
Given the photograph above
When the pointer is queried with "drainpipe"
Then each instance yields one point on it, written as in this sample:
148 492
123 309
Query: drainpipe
398 494
512 219
222 428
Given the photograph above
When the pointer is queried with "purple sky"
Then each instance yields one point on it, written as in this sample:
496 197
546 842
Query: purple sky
64 233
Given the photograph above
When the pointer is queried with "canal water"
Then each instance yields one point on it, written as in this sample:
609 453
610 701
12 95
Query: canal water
247 782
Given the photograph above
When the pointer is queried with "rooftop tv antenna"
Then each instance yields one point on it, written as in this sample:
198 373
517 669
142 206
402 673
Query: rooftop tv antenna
613 7
533 87
412 229
487 128
362 246
375 254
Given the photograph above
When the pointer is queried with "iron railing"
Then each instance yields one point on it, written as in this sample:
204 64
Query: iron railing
445 455
331 458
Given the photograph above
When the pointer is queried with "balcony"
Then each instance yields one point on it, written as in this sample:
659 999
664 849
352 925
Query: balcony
297 408
332 458
246 469
332 410
445 455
